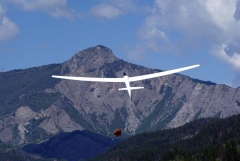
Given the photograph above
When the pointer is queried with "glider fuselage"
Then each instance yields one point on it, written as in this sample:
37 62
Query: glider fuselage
126 80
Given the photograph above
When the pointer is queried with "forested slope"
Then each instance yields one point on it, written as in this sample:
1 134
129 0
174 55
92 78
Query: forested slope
204 139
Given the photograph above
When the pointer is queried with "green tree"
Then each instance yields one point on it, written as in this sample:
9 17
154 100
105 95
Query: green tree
231 152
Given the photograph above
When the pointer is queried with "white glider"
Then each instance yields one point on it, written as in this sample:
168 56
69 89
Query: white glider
127 79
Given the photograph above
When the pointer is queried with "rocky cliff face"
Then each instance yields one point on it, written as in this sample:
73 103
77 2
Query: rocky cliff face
165 102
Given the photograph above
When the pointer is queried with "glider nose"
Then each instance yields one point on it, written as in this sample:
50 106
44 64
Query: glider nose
124 74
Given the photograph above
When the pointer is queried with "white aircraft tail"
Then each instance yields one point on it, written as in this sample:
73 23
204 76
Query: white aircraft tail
131 88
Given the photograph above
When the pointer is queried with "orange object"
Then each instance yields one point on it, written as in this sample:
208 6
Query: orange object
117 132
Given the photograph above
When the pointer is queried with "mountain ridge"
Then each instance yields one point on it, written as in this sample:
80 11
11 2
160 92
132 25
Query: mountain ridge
56 106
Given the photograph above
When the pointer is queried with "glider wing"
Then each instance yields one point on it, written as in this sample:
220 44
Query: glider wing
90 79
154 75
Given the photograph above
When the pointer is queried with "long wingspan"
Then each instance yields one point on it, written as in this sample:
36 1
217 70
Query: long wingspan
154 75
90 79
131 79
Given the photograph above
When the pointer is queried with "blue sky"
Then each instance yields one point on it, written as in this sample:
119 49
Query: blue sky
162 34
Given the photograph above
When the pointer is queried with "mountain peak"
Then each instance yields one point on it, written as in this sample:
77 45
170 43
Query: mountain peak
101 47
97 51
89 59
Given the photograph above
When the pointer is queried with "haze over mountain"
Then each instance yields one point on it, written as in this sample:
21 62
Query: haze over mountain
35 106
73 146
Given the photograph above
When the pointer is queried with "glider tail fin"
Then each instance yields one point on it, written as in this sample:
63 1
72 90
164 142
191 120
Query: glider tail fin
131 88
